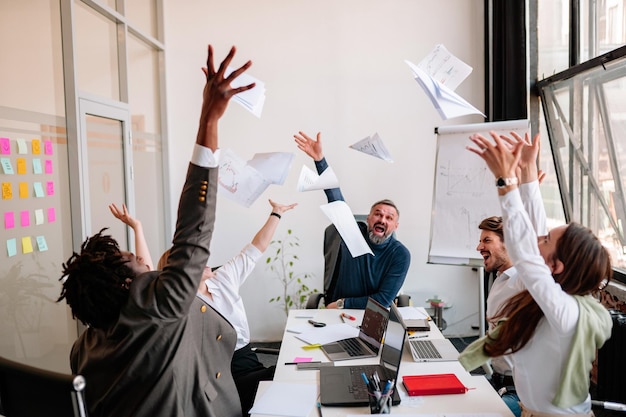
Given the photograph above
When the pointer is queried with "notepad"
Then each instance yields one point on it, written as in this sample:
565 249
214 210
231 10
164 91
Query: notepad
434 384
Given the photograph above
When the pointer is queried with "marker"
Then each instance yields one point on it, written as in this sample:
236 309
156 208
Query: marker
295 363
348 316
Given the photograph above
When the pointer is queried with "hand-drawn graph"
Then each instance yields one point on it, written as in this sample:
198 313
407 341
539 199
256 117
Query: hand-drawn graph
464 192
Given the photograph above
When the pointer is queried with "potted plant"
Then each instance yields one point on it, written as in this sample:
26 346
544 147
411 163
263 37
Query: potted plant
282 263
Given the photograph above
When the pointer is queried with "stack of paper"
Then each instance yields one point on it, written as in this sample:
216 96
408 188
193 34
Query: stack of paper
438 75
252 99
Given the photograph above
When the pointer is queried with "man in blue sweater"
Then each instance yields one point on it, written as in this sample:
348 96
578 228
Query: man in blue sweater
355 279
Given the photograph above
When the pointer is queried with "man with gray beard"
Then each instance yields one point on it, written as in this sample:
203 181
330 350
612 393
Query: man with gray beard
379 276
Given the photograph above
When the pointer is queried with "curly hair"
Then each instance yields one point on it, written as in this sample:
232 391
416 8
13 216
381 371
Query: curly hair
587 268
95 282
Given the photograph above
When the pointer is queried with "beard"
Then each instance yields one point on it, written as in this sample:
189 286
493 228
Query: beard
377 240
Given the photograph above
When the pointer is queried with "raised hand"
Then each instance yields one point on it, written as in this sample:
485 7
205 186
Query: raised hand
501 157
310 146
281 208
216 95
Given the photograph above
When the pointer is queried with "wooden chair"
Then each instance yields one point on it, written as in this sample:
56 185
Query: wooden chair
26 391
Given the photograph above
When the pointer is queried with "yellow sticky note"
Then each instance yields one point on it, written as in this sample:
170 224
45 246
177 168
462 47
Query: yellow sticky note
23 190
27 245
7 191
313 346
36 146
21 166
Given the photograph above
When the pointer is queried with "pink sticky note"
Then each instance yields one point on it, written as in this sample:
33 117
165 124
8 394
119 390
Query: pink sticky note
51 215
300 359
50 187
48 168
5 146
25 216
47 147
9 220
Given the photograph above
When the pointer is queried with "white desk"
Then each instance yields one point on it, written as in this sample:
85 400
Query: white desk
480 399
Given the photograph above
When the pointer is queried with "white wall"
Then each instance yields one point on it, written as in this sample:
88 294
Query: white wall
335 67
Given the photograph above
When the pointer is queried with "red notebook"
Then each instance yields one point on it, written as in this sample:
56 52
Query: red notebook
433 384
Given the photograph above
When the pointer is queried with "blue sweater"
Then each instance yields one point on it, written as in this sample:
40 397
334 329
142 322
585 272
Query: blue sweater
380 276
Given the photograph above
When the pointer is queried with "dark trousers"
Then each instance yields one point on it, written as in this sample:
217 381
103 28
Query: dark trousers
247 372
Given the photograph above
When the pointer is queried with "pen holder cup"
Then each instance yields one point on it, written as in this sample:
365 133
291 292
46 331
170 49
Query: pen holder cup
380 405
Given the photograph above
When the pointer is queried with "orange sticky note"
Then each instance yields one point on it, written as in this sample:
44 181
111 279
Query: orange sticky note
21 166
27 245
36 143
23 190
7 191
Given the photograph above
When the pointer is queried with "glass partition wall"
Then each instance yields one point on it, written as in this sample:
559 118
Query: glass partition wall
81 123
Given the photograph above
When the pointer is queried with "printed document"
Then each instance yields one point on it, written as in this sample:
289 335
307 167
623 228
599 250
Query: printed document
445 68
309 180
374 146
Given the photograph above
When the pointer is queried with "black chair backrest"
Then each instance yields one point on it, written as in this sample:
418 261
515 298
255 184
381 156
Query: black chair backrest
26 391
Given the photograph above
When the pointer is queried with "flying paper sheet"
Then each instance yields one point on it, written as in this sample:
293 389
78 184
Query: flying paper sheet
447 102
341 216
274 166
444 67
310 181
239 181
374 146
252 99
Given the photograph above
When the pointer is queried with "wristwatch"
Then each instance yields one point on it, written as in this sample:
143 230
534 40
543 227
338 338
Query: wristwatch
339 303
505 182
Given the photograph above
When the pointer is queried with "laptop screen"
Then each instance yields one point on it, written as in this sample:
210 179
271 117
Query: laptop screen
391 354
374 324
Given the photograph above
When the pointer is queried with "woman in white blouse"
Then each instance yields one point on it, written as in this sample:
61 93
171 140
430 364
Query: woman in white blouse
552 330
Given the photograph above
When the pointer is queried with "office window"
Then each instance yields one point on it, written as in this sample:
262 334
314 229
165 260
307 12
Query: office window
585 111
581 112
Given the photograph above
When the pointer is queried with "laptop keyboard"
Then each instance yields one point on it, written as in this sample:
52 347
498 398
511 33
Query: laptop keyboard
424 349
352 347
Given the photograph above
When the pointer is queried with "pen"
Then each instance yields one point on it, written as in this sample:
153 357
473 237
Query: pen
295 363
341 317
348 316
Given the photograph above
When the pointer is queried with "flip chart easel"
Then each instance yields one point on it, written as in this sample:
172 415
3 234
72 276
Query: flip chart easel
464 192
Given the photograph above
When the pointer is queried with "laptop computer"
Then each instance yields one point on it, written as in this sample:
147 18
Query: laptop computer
344 386
433 350
370 337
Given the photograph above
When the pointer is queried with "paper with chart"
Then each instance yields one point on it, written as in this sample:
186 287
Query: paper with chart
374 146
341 216
444 67
253 99
239 181
310 181
274 166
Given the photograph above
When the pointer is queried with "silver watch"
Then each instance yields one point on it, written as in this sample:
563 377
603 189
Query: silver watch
339 303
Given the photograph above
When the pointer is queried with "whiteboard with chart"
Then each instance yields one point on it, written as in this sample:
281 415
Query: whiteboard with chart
464 192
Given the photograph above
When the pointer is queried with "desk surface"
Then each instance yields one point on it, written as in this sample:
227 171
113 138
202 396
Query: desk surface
480 399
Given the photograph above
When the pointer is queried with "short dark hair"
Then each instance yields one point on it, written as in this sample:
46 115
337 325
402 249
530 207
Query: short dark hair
386 202
94 281
493 224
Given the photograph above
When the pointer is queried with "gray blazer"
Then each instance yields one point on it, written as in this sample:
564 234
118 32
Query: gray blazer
168 354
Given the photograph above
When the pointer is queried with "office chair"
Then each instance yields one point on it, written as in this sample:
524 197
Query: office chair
332 240
26 391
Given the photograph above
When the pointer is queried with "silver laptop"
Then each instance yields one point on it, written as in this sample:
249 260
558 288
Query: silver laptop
371 333
344 385
433 350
